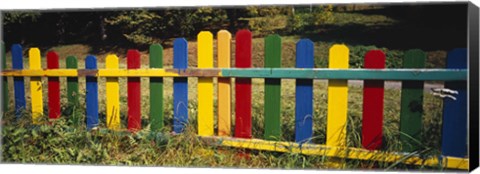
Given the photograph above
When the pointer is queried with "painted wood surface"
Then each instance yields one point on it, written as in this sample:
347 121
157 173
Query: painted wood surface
72 86
36 88
286 73
91 96
373 92
411 107
205 84
454 124
133 93
53 87
18 82
224 84
337 98
180 86
112 91
156 89
304 93
243 86
273 59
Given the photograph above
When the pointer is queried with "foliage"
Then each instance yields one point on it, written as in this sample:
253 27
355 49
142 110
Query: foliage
268 11
319 15
146 27
20 17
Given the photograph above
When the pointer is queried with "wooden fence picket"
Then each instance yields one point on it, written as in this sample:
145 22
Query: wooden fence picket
72 85
133 90
372 119
18 82
91 97
53 87
180 86
205 84
304 93
273 59
36 88
337 98
454 124
156 88
224 86
112 91
411 107
243 86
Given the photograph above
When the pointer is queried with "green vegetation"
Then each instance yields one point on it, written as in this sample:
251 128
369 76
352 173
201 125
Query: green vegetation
65 143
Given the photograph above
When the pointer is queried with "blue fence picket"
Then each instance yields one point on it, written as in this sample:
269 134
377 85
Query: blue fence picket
18 82
91 94
180 86
454 128
304 93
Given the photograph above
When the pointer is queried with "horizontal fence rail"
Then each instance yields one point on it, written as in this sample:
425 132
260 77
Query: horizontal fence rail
239 134
285 73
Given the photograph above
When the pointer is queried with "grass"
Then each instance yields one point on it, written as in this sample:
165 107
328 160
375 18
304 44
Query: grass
66 141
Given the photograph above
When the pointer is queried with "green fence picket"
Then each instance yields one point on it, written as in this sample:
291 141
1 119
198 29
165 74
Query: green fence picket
273 58
156 89
72 85
411 108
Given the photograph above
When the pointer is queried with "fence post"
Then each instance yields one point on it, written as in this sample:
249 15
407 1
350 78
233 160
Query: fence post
113 94
304 93
337 98
180 85
156 88
373 92
91 98
273 59
243 86
205 84
411 108
133 88
53 87
224 87
18 82
36 88
454 124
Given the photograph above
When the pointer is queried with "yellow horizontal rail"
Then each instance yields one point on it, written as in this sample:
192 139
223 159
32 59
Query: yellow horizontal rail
340 152
114 72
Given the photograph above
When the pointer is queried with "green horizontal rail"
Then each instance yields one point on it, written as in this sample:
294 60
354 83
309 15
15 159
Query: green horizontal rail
286 73
349 74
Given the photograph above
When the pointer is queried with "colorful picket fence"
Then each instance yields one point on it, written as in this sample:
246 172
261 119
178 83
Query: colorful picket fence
413 75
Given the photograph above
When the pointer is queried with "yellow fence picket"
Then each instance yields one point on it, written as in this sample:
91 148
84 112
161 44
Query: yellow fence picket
224 87
113 92
36 86
337 98
205 84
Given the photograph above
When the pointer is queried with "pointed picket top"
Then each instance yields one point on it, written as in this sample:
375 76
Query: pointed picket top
338 56
304 52
156 56
243 49
180 53
111 61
